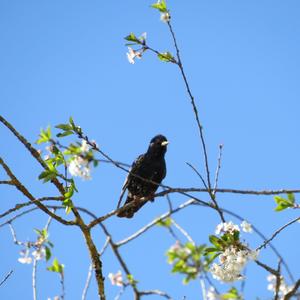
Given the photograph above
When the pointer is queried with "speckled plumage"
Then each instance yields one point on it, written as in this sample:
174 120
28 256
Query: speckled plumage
150 166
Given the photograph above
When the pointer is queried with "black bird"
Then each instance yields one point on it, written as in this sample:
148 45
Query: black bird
150 169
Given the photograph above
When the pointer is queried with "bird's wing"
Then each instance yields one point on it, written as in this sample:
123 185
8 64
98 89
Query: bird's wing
134 167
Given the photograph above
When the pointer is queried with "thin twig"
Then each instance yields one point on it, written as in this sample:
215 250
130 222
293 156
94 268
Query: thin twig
198 173
14 236
203 288
32 151
187 236
89 276
267 268
154 222
155 292
276 233
6 277
115 250
62 285
293 291
26 193
278 281
21 205
34 266
9 182
218 169
87 283
180 65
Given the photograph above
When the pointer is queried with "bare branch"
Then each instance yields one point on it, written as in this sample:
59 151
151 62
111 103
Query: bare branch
155 292
277 232
218 170
9 182
291 293
198 173
278 281
6 277
200 128
21 205
187 236
26 193
89 276
34 265
267 268
154 222
87 282
32 150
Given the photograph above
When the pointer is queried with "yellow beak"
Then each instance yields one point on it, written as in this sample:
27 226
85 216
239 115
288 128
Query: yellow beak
165 143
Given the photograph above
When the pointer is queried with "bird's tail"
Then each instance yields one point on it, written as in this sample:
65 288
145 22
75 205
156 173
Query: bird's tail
128 212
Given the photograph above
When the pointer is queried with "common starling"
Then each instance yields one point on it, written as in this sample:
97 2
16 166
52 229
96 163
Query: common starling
150 169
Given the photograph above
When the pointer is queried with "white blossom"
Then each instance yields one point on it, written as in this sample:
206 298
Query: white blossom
179 249
80 167
132 54
211 294
175 247
116 279
227 227
25 258
39 254
246 227
165 17
283 287
84 146
232 262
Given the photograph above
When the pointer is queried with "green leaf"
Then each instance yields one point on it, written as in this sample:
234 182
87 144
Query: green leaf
48 253
131 280
291 198
56 267
166 57
47 175
160 5
211 250
190 246
236 235
132 38
218 243
70 192
166 222
72 123
64 127
283 203
50 244
45 136
211 257
68 204
232 294
66 133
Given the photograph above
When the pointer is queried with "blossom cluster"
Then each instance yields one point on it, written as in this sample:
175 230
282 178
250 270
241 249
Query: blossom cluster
180 249
37 254
133 54
116 279
230 227
284 288
79 165
232 262
234 255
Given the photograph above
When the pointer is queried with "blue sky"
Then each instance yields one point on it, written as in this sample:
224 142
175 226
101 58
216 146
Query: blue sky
67 58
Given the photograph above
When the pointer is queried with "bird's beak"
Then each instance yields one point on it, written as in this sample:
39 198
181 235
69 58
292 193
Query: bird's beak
165 143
